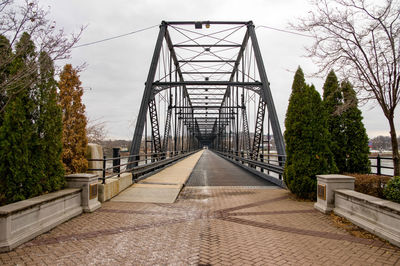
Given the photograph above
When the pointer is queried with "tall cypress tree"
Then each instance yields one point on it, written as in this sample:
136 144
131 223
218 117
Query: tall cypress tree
17 133
307 140
356 147
49 126
5 67
74 121
333 101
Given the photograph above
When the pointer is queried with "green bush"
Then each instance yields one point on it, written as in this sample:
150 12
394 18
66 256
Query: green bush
370 184
392 189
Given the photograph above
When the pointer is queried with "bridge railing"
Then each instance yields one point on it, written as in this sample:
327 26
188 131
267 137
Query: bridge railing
263 163
382 165
147 162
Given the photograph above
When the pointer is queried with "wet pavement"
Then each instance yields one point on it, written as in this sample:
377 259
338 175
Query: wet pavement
207 225
212 170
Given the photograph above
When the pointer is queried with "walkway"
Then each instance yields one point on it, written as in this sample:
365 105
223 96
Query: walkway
162 187
214 225
212 170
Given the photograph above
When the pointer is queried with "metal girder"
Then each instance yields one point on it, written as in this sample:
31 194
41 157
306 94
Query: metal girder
258 132
155 129
206 61
246 132
207 22
206 72
266 93
207 83
207 45
137 136
167 126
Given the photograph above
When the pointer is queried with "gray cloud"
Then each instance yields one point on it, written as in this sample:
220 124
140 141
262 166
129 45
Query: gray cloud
118 68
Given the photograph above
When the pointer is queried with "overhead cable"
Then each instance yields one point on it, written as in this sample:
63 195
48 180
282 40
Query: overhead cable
114 37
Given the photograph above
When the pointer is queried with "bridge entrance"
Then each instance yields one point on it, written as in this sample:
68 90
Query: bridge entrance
207 87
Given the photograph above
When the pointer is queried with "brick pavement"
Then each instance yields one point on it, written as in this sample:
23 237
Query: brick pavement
207 225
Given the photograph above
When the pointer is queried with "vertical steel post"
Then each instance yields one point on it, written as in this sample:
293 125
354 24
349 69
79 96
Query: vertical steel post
116 161
104 169
147 96
378 165
266 93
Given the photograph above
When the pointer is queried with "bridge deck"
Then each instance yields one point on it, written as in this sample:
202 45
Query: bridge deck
212 170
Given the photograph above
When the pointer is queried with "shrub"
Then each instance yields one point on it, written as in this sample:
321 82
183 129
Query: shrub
369 184
392 189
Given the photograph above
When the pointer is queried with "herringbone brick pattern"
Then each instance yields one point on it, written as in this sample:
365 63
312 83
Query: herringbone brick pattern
206 226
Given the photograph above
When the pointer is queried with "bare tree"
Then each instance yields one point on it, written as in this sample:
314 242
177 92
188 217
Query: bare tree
31 18
96 131
360 39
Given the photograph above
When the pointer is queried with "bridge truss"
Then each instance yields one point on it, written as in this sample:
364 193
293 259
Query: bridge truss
207 86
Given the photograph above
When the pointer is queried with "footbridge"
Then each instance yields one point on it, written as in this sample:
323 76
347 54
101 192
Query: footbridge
207 88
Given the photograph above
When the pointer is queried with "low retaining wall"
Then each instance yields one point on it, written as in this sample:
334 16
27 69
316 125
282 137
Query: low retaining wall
24 220
378 216
114 186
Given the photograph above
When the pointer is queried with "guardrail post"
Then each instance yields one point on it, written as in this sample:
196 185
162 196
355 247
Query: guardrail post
262 160
104 169
378 165
116 162
280 164
242 155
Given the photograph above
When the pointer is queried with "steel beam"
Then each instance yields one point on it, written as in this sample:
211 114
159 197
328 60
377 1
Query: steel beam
147 95
266 92
206 61
207 83
207 45
207 22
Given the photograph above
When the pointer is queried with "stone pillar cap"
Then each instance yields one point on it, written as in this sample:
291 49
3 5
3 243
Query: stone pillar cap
335 177
82 176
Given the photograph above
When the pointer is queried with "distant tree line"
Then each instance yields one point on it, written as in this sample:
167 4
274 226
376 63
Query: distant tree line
382 143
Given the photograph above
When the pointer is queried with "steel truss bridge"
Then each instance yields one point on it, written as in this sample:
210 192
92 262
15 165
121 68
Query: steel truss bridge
207 86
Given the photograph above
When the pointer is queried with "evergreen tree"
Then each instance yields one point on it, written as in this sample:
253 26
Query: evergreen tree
74 121
17 134
356 147
49 124
332 102
5 54
307 140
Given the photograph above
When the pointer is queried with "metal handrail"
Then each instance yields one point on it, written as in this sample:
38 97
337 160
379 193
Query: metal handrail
165 158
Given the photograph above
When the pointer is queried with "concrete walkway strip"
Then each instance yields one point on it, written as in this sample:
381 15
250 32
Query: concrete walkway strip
162 187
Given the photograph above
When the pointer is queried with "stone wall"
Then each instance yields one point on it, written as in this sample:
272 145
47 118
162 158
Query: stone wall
380 217
21 221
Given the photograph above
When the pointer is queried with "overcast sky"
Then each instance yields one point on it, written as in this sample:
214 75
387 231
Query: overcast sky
117 69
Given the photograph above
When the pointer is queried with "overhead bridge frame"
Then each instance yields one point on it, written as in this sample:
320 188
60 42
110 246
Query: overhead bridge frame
193 82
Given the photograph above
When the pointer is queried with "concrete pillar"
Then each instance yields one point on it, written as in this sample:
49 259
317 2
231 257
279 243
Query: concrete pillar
95 151
89 185
327 184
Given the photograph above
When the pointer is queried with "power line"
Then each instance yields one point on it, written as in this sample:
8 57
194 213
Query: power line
286 31
115 37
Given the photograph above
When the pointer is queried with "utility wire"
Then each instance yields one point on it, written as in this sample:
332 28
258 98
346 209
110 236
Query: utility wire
286 31
115 37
